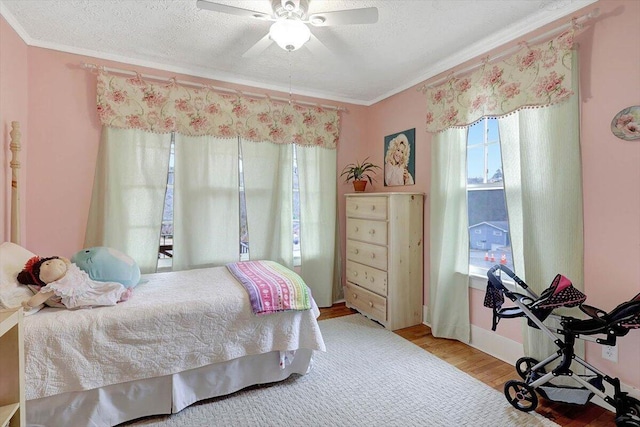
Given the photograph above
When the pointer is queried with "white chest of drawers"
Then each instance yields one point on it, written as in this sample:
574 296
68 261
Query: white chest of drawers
385 257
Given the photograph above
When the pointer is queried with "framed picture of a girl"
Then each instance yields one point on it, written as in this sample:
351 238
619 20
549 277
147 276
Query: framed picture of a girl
399 158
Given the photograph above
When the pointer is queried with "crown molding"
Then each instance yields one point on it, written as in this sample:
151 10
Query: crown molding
13 22
481 47
508 34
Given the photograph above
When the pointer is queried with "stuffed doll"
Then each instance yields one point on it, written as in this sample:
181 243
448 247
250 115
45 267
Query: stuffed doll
57 277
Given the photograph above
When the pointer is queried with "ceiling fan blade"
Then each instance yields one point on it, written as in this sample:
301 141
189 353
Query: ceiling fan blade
258 48
367 15
317 48
217 7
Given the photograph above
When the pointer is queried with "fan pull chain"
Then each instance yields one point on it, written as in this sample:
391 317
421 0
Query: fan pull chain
290 93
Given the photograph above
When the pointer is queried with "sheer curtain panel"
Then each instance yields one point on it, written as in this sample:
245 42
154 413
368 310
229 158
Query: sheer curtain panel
128 194
317 172
543 184
268 185
449 237
206 203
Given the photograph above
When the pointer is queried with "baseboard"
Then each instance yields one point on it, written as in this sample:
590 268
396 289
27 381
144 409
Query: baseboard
496 345
489 342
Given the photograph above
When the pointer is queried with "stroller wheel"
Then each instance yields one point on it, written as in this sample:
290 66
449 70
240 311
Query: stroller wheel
633 406
524 365
627 421
629 413
521 395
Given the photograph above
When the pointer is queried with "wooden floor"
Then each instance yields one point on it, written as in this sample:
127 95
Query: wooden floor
491 371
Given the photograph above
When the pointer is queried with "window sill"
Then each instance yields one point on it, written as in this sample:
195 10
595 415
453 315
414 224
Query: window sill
478 280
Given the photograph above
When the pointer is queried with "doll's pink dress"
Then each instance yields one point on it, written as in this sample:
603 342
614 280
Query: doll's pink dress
76 289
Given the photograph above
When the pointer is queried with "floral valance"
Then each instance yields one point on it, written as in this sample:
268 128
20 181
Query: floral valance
535 76
134 103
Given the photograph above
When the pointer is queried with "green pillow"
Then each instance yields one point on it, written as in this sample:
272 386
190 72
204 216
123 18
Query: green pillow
105 264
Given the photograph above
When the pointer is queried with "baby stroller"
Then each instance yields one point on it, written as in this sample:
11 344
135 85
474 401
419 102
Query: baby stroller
534 375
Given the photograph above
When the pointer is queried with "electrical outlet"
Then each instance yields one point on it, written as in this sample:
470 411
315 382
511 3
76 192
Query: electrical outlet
610 352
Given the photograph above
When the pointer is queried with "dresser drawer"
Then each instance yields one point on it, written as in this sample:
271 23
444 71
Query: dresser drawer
367 207
367 277
367 230
367 254
366 302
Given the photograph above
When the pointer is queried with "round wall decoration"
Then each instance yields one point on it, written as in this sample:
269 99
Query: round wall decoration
626 124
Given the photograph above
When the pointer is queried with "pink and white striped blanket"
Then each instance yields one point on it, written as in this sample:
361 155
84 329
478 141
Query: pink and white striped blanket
271 287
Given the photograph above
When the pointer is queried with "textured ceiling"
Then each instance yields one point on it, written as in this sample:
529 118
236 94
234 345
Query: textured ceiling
412 40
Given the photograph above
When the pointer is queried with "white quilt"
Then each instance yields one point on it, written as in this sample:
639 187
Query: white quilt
174 322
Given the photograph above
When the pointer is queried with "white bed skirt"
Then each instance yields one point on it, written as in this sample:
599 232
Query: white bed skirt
115 404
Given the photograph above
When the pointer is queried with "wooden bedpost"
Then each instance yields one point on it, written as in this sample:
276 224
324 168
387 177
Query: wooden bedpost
15 189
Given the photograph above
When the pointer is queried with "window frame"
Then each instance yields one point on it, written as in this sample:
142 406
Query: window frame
486 185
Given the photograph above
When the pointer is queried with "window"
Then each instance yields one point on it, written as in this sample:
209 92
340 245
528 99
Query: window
296 210
489 241
244 225
165 248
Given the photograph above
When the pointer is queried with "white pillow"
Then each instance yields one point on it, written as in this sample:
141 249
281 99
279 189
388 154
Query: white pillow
12 260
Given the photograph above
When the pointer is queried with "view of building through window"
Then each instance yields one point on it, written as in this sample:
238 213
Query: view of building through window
489 238
165 250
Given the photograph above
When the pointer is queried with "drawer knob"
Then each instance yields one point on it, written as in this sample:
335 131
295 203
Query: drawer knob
372 279
373 256
372 231
355 296
355 274
357 229
355 251
373 207
356 207
370 304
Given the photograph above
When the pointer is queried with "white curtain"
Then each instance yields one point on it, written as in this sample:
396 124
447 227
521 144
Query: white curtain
449 237
268 184
206 230
317 172
543 186
128 194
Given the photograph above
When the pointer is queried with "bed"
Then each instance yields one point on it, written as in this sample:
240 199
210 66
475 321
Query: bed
182 337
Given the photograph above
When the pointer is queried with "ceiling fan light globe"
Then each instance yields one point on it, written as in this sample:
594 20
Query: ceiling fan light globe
289 34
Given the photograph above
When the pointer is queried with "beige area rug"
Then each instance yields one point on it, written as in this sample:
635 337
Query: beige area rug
369 376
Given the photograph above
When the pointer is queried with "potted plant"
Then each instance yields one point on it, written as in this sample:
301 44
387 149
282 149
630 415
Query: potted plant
359 173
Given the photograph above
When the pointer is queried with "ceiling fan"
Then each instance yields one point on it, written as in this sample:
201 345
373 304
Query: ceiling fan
289 29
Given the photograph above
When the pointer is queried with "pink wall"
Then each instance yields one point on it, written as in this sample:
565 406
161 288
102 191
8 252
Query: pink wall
63 137
609 67
64 134
13 107
610 81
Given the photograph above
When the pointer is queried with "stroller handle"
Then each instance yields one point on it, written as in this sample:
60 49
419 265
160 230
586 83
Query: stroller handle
497 281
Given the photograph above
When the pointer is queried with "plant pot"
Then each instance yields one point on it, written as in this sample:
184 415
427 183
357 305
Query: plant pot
359 186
